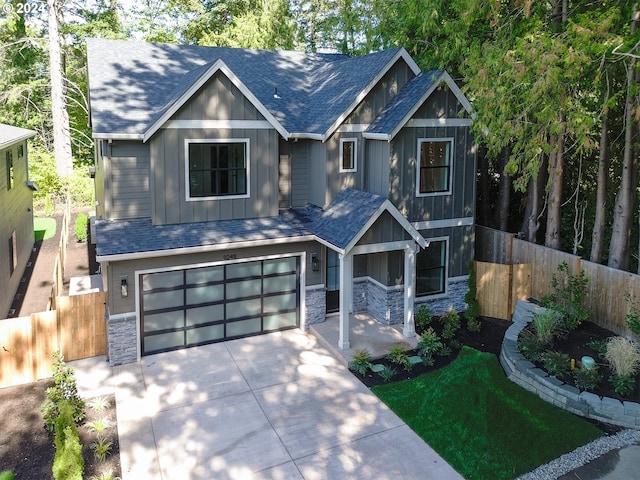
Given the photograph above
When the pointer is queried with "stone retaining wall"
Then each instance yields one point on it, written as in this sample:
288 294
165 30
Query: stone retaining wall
552 390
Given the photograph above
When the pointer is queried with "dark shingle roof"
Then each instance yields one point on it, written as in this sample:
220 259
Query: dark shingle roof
131 84
346 216
338 224
10 134
400 106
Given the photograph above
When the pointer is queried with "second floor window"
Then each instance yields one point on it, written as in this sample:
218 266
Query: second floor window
217 169
348 155
10 180
434 166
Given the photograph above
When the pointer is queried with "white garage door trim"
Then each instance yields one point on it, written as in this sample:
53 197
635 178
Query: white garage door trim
228 296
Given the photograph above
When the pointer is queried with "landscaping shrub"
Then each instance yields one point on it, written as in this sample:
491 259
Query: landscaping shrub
451 323
587 378
624 357
633 317
82 232
429 345
530 346
545 325
566 297
361 361
398 355
64 389
68 463
387 373
471 299
423 316
556 363
6 475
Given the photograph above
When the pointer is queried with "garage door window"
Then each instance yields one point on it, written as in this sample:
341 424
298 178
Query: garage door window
209 304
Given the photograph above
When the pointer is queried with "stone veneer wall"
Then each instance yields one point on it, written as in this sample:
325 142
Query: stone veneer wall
121 339
385 304
552 390
454 298
315 304
360 297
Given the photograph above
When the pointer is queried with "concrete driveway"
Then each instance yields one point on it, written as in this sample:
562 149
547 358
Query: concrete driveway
275 406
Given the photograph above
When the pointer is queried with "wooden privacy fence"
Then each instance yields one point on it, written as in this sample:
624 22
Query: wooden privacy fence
499 287
606 290
77 327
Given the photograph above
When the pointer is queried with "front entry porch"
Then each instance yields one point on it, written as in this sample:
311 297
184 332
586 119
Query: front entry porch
367 333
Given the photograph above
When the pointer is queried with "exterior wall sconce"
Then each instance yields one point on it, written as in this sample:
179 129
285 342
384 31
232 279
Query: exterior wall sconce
315 262
124 287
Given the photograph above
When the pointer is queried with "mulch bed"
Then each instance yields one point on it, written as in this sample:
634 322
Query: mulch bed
488 339
26 447
575 344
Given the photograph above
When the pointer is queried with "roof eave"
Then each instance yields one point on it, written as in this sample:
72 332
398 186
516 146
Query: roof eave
401 54
442 77
118 136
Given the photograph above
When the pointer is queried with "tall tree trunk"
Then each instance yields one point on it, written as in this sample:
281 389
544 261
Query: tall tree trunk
60 116
597 237
556 166
535 188
505 192
484 214
623 210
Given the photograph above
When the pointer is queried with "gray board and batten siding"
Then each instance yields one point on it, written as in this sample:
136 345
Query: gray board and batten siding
125 167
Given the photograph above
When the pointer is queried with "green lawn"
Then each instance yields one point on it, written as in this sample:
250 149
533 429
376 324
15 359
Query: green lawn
44 228
483 424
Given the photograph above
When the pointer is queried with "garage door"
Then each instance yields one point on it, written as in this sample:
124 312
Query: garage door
183 308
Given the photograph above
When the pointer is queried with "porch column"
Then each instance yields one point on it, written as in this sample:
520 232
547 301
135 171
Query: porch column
346 294
409 328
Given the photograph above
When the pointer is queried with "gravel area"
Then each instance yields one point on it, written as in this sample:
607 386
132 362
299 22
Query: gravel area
583 455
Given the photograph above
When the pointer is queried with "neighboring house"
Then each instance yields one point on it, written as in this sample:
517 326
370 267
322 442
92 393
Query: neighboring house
16 212
242 191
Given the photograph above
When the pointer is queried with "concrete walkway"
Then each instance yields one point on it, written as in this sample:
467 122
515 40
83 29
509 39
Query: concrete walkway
276 406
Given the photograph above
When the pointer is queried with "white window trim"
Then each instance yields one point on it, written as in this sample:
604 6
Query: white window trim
189 141
446 270
355 154
451 165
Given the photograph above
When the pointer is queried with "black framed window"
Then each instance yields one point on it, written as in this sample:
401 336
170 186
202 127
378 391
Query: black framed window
9 165
431 269
348 154
434 172
217 169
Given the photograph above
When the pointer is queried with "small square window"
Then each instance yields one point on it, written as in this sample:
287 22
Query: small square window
431 269
434 166
348 154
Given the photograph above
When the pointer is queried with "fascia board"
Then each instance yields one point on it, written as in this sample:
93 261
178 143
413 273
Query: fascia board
118 136
202 249
218 65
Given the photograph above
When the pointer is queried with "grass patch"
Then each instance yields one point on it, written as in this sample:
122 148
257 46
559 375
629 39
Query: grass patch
44 228
480 422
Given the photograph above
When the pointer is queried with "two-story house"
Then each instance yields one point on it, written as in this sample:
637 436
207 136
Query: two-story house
16 212
241 192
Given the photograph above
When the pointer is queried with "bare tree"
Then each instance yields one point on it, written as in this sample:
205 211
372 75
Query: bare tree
59 113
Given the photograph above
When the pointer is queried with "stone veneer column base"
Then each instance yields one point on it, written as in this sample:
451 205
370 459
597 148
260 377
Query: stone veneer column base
316 304
121 339
552 390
